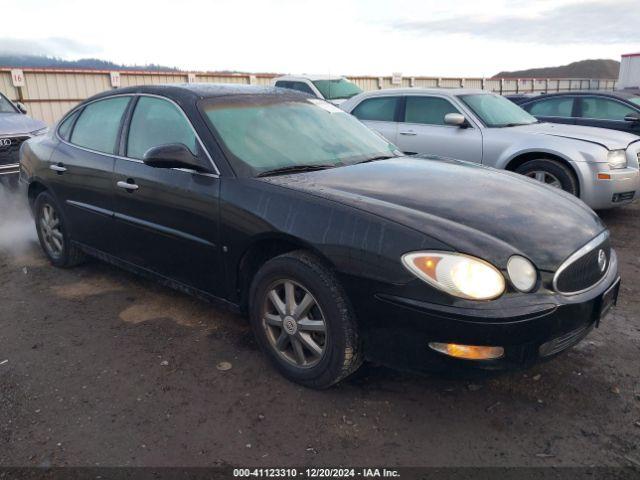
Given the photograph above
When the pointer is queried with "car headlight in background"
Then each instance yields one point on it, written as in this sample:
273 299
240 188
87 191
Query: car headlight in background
40 131
522 273
457 274
617 159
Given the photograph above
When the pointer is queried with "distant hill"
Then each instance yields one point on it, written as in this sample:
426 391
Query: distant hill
581 69
38 61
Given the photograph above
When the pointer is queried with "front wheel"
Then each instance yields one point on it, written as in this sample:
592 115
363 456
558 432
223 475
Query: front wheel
303 321
550 172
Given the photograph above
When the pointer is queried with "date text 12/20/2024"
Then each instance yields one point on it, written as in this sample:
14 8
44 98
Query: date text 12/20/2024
316 473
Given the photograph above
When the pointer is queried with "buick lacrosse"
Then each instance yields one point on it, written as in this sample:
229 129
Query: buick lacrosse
336 246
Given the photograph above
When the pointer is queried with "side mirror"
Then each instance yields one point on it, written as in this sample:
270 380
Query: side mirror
456 120
173 155
21 107
632 117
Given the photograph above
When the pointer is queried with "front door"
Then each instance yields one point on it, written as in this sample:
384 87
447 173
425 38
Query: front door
607 113
167 219
422 130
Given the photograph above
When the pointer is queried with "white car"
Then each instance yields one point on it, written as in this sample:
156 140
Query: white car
599 166
333 89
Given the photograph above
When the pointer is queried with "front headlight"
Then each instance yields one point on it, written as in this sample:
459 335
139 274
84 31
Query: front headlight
522 273
617 159
40 131
457 274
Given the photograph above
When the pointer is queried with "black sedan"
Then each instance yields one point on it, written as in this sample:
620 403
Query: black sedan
618 110
337 247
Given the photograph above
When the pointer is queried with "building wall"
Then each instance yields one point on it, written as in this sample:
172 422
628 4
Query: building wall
49 93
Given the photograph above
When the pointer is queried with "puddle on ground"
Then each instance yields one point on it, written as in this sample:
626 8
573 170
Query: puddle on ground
185 313
86 288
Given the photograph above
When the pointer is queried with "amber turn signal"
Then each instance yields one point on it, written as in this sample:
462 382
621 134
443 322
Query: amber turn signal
468 352
604 176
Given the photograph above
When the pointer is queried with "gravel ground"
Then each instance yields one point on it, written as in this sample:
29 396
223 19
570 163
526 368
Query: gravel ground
99 367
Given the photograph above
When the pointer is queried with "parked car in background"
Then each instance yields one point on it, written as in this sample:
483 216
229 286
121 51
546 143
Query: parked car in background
334 89
337 246
599 166
15 128
618 110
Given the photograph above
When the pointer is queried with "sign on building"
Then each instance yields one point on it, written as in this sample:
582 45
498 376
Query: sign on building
396 78
191 78
115 79
17 78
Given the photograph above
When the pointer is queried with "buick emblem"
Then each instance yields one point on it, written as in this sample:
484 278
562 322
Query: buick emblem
602 260
5 142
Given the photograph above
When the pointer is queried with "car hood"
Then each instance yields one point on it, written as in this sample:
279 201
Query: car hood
609 139
488 213
18 123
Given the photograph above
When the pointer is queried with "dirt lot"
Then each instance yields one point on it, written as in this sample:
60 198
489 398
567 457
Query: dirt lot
99 367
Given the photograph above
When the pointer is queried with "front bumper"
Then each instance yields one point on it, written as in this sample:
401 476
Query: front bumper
621 188
399 332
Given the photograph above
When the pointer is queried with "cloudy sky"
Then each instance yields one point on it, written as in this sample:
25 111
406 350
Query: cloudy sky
415 37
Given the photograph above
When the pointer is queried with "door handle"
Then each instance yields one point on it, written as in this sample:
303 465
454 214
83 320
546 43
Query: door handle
127 186
59 168
409 134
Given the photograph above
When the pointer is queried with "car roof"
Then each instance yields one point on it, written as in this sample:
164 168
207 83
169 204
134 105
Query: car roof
622 94
196 91
440 91
310 77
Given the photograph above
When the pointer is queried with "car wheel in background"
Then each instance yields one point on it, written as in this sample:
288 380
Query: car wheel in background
303 320
550 172
53 234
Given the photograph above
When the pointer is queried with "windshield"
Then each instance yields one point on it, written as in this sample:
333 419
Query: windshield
635 100
339 88
6 106
497 111
264 133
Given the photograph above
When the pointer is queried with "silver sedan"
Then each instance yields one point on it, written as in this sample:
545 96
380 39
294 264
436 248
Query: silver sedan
600 166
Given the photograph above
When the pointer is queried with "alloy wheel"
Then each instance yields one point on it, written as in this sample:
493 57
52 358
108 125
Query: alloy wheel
51 231
294 323
545 177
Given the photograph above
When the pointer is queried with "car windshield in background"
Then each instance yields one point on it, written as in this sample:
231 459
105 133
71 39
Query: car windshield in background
337 89
635 100
265 133
496 111
6 106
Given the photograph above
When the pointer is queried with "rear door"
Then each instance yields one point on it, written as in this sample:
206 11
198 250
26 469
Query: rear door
423 130
82 165
604 112
380 114
167 219
556 109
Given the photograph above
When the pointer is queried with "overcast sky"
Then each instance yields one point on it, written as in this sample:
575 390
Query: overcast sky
375 37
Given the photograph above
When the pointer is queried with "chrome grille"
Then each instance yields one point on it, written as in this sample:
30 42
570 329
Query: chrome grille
10 149
585 268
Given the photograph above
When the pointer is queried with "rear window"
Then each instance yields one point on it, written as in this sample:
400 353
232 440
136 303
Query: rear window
382 109
99 123
553 107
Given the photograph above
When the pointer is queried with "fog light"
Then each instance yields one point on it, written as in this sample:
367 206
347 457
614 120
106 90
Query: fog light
468 352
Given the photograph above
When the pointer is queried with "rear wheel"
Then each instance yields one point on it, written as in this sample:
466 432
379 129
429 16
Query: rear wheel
303 321
53 233
550 172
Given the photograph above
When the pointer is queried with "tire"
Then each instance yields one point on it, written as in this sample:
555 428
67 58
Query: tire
552 169
68 255
315 285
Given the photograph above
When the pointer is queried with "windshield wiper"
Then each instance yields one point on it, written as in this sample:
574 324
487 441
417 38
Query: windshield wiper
377 157
515 124
294 169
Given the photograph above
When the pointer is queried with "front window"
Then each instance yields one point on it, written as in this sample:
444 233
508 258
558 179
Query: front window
635 100
264 133
6 106
604 109
336 89
496 111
